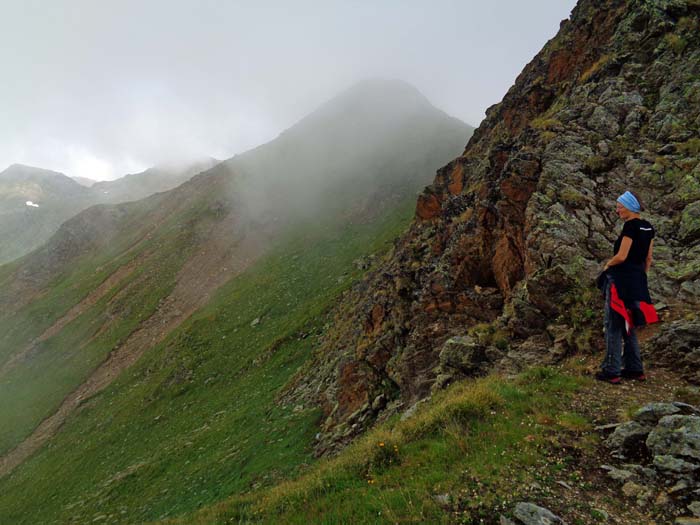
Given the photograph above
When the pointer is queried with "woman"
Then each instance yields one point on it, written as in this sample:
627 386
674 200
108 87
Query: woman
627 301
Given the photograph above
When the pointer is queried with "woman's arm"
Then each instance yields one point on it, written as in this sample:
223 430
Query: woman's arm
649 255
621 254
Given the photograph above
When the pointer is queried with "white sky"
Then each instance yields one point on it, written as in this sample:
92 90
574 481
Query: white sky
101 88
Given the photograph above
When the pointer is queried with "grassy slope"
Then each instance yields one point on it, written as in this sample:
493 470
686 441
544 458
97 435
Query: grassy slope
35 388
195 420
475 442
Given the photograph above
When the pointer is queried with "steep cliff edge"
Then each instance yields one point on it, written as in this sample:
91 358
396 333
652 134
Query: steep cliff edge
495 270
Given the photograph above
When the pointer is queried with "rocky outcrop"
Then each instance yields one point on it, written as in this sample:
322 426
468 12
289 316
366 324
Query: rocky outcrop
677 345
506 242
665 439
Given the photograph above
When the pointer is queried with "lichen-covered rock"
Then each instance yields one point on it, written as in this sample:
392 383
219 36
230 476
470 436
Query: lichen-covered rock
694 507
677 345
689 229
464 354
674 465
617 474
531 514
641 471
604 123
629 438
677 436
651 413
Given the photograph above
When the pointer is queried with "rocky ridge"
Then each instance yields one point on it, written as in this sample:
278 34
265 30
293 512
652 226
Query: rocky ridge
496 270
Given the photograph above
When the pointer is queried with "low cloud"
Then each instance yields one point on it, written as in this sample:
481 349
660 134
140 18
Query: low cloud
99 90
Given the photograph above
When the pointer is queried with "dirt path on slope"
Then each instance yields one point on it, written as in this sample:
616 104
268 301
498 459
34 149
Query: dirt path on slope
215 263
571 481
72 314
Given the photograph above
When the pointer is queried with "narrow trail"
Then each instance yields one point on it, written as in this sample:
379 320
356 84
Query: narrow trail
585 484
75 312
215 263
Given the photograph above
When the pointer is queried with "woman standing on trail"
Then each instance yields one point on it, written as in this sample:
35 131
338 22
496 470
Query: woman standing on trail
627 301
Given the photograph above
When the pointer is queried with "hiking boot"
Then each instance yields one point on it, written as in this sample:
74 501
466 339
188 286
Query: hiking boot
635 376
608 377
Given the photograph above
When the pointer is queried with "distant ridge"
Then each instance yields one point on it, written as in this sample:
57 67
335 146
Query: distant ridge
55 197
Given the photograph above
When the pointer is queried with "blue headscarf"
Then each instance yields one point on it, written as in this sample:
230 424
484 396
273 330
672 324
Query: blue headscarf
630 202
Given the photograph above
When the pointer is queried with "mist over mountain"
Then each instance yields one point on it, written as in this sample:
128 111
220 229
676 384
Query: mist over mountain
84 181
354 154
300 333
269 236
34 202
333 151
137 186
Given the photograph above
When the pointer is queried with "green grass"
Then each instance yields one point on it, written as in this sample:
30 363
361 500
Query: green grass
474 442
35 387
18 327
196 420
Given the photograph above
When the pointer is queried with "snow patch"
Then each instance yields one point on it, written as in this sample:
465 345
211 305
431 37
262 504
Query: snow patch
31 204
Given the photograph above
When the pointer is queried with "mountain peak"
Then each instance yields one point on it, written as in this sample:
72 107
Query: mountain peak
20 170
370 101
382 87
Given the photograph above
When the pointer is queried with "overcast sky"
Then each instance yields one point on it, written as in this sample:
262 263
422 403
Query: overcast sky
101 88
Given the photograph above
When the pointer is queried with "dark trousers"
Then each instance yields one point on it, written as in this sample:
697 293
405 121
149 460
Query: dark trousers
615 335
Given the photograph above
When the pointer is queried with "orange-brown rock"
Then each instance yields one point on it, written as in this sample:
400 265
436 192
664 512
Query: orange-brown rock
428 207
456 180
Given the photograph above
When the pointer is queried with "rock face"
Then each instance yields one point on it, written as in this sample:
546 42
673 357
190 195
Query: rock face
676 436
678 345
509 237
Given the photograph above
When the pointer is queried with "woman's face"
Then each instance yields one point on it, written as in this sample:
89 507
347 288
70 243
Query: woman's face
621 211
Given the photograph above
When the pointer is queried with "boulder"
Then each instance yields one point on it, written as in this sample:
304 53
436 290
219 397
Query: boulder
673 465
618 474
689 229
462 353
604 122
651 413
629 438
676 435
531 514
677 345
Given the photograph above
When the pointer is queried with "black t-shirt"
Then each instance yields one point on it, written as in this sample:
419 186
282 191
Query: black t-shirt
641 233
